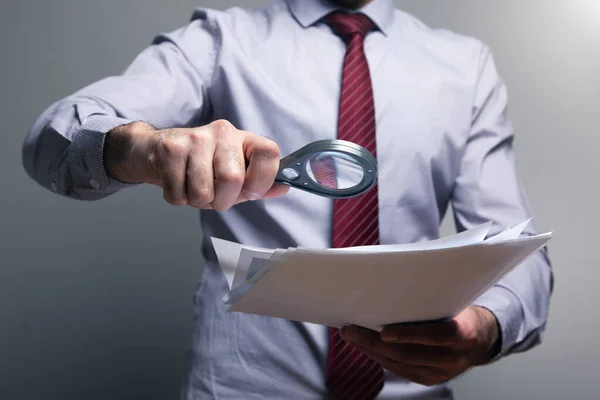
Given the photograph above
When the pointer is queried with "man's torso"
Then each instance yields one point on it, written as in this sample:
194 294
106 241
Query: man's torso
281 80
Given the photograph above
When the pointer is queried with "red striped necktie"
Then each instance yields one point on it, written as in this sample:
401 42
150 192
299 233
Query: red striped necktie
350 373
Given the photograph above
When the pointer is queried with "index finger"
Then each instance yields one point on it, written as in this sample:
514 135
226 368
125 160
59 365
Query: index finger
440 333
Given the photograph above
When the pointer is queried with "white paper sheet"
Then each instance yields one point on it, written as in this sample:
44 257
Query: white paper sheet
228 255
464 238
509 234
374 285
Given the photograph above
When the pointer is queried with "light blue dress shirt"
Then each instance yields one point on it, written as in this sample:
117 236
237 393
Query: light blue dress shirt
443 137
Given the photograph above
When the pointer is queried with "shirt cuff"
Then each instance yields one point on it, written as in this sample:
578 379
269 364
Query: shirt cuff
507 309
89 178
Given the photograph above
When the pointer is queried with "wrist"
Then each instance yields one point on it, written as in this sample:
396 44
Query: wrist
123 155
490 334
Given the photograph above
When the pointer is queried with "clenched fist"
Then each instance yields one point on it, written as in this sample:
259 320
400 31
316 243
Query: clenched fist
212 167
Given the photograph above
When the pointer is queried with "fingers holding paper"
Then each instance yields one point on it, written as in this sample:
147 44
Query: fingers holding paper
430 353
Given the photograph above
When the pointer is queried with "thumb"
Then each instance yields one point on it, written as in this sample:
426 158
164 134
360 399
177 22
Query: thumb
277 190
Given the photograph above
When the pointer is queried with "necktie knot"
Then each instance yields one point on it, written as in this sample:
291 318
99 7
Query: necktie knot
347 25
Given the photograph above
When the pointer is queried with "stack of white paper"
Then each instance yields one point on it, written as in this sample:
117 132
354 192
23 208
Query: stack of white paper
372 286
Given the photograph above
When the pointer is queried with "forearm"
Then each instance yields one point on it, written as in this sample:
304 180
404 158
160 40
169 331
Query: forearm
520 302
488 189
63 152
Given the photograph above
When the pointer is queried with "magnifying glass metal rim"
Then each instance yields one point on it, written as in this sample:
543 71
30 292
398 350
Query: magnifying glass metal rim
298 160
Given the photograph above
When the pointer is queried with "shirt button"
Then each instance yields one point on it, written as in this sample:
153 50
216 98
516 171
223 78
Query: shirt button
53 186
95 184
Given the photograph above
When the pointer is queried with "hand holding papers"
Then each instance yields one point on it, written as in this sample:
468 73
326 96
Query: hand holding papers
372 286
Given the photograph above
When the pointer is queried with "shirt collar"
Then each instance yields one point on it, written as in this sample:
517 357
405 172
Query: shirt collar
308 12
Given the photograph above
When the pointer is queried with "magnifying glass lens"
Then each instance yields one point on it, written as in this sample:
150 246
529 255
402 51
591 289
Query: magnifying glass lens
334 170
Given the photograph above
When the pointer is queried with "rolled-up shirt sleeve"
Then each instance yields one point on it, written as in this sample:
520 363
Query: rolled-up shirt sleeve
488 188
165 86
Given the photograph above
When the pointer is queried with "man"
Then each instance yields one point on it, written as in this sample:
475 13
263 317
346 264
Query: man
243 87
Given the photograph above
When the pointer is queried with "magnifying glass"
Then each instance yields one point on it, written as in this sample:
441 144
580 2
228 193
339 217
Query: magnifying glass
331 168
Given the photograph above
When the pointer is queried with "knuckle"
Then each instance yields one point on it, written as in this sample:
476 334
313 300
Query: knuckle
268 149
202 196
140 126
221 127
233 177
199 136
173 148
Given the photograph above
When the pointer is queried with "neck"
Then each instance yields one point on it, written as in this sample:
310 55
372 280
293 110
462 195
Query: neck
351 4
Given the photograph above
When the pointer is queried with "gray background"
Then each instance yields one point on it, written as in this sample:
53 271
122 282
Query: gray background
95 298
